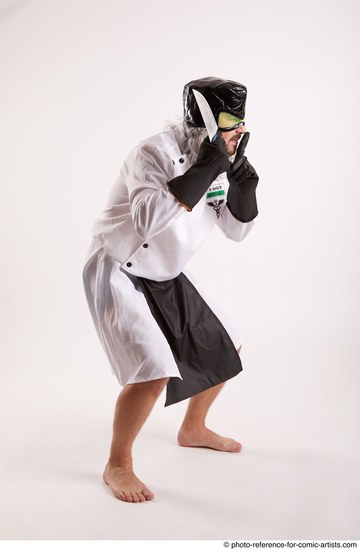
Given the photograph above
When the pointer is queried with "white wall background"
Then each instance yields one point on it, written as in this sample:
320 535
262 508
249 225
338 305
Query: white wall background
82 82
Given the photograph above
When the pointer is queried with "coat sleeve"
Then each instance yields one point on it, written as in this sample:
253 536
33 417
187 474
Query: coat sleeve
231 227
153 207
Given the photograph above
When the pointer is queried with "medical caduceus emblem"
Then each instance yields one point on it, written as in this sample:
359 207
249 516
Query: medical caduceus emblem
216 204
215 196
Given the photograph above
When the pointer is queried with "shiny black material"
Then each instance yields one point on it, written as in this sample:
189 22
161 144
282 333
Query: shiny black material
222 95
212 160
243 180
203 350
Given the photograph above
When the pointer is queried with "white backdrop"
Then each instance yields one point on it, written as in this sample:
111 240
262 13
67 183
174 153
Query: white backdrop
82 82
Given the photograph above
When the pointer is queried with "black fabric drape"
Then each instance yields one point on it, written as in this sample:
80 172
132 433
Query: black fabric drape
203 350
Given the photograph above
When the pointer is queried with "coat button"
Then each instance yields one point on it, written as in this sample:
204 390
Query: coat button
129 264
181 160
145 245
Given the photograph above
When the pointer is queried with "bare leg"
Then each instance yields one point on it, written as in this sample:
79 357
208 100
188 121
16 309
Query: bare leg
194 433
133 406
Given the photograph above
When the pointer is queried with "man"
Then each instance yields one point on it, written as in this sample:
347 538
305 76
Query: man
157 326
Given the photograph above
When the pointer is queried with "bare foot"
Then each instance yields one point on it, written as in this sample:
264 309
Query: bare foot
125 485
207 438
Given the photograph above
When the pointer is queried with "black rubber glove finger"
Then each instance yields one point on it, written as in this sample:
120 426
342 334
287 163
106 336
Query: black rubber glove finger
218 145
246 170
237 173
214 152
245 178
221 146
240 151
248 181
243 143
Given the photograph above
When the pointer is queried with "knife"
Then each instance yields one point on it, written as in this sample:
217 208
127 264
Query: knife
208 117
216 189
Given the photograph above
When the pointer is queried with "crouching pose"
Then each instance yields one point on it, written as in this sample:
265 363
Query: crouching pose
156 324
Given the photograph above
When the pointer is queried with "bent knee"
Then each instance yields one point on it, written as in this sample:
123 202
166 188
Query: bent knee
156 386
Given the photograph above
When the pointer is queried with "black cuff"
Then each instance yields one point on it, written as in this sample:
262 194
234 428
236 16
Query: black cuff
191 186
242 206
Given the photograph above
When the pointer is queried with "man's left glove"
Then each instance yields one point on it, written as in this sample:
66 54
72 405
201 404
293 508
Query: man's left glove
241 198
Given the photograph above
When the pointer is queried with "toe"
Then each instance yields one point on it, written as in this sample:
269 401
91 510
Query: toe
120 495
135 498
128 497
236 448
148 495
141 497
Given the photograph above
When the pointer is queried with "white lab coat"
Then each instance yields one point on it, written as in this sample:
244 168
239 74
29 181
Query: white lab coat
145 232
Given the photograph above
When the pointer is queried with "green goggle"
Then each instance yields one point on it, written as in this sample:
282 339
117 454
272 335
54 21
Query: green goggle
227 122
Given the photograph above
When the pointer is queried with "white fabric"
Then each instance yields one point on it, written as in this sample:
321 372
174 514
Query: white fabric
141 210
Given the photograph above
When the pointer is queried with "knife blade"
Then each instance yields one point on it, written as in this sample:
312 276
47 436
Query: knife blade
208 117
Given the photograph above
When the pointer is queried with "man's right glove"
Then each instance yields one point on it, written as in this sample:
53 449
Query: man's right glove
213 159
241 198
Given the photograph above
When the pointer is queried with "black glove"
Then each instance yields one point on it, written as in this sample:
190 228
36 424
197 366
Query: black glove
213 159
241 198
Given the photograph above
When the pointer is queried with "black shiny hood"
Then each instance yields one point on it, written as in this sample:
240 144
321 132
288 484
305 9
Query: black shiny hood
222 95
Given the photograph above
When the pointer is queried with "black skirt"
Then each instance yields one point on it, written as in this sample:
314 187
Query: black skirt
202 349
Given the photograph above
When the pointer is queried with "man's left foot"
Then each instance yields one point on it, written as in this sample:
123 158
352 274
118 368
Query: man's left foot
207 438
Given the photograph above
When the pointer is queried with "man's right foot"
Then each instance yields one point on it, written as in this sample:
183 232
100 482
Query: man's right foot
125 485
